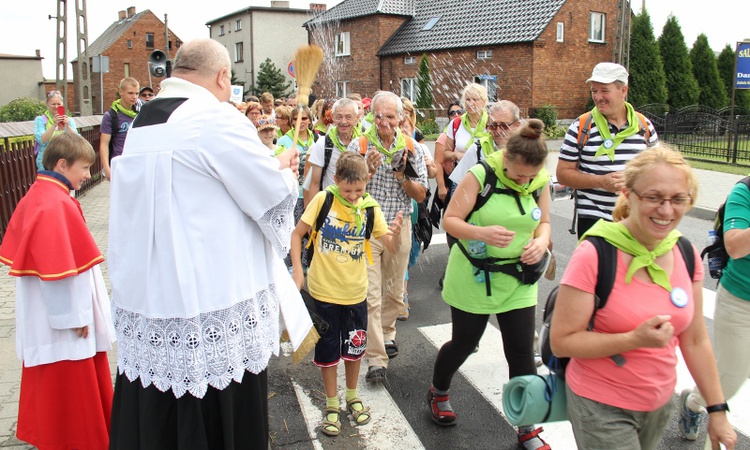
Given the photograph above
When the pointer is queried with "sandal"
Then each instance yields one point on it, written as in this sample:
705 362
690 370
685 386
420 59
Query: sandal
444 417
330 427
361 416
531 440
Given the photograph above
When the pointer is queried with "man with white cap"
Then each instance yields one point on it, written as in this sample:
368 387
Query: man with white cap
599 143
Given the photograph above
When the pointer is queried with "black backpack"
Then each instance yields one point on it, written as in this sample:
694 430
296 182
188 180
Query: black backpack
323 213
607 255
717 248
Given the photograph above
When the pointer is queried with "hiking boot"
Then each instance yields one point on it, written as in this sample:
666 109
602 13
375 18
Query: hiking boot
375 374
690 421
440 409
528 438
391 349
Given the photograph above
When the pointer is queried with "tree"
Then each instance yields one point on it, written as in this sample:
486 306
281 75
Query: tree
725 66
271 79
648 84
424 85
712 91
682 89
22 109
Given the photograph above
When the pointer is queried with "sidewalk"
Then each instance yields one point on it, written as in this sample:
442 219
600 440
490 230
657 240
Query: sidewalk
713 189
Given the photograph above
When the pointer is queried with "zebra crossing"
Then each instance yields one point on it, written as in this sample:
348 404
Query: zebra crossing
402 422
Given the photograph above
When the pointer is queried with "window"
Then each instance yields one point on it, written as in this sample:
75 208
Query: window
409 88
484 54
130 43
410 59
126 69
341 88
342 44
596 33
560 31
221 30
149 40
238 52
490 83
238 25
428 26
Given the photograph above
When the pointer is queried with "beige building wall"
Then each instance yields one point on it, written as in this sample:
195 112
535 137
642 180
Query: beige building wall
21 77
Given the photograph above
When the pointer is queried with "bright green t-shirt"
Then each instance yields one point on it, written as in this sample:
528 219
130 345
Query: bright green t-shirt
736 275
461 290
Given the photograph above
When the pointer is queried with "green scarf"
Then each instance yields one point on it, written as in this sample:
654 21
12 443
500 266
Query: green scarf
603 126
333 133
480 130
321 127
488 145
496 161
118 107
618 235
50 124
303 144
369 118
356 210
372 135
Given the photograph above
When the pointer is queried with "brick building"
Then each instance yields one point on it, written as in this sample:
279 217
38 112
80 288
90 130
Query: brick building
531 52
128 43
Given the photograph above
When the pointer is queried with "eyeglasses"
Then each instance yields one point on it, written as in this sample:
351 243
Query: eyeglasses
253 113
294 119
455 112
501 125
658 200
147 94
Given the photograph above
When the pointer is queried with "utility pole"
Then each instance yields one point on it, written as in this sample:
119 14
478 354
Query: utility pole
82 76
621 44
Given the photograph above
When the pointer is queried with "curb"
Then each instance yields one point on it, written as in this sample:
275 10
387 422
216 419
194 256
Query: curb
702 213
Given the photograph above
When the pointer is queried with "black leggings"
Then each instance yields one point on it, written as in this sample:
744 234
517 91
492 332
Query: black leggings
517 328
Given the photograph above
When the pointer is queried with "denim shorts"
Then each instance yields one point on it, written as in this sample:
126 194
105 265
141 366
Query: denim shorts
346 336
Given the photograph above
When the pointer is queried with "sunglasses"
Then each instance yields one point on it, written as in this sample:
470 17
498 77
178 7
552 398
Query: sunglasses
455 112
262 122
501 125
147 94
51 94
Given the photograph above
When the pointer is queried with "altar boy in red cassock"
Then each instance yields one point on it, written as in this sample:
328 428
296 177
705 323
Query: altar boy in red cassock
63 321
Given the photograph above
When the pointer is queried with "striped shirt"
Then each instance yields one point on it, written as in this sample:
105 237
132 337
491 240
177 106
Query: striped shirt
599 203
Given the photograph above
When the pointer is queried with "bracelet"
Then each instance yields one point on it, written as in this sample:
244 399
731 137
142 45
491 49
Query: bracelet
719 407
401 181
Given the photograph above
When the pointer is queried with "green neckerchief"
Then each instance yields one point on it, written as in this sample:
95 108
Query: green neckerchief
618 235
118 107
369 118
305 144
356 210
372 135
496 161
333 133
50 124
321 127
479 131
603 126
488 145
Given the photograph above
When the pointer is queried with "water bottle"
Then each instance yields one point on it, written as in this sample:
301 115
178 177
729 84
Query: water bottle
715 261
477 249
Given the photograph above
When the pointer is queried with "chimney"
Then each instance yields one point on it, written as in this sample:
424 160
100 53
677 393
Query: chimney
131 11
317 7
38 53
279 4
121 15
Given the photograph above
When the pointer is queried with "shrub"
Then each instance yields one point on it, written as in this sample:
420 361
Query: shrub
547 114
22 109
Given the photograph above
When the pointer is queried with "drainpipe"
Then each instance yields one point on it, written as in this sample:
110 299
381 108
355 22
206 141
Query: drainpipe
252 53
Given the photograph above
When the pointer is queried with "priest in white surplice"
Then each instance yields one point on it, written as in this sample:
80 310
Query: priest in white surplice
200 219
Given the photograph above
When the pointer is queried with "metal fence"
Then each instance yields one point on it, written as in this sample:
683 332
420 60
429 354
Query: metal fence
704 133
18 165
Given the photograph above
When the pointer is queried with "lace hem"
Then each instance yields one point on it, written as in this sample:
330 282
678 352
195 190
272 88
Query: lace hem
187 355
277 224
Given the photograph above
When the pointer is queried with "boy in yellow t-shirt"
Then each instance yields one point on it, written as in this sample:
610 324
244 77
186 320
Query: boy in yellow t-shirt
337 279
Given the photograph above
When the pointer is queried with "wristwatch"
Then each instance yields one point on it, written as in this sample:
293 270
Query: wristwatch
402 180
717 407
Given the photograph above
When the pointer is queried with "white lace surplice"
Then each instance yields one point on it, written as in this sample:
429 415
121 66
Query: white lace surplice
200 218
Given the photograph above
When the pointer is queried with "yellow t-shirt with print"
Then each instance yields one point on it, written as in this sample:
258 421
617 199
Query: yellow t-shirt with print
338 273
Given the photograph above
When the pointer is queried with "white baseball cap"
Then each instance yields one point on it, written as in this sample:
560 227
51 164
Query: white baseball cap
608 72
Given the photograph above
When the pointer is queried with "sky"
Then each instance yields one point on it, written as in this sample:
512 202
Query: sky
723 22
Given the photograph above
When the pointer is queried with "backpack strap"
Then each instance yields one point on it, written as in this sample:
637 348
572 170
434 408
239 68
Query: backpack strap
115 125
456 126
490 187
584 128
369 221
644 131
328 149
325 208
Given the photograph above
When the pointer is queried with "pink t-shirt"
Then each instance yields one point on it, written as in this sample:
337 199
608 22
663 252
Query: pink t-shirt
647 379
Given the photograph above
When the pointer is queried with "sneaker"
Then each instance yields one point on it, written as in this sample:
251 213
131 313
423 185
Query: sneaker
528 438
391 349
375 374
690 421
444 417
405 313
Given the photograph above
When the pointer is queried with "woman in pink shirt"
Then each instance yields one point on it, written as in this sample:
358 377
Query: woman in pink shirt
653 307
